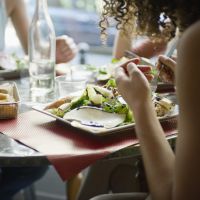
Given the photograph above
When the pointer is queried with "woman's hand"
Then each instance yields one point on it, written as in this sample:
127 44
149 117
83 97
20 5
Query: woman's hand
143 68
133 85
167 73
66 49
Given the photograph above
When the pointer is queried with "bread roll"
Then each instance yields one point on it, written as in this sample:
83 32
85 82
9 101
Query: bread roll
4 97
4 91
58 103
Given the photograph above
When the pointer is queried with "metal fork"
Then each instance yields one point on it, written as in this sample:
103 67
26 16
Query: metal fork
130 54
154 82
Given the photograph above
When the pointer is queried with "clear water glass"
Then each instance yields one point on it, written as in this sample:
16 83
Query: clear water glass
70 87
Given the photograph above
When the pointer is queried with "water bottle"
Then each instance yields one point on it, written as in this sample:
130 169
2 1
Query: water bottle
42 47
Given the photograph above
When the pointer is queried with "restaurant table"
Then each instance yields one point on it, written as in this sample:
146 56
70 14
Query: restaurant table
13 153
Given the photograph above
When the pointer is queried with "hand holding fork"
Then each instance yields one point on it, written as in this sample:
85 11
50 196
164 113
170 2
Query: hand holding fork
164 61
165 66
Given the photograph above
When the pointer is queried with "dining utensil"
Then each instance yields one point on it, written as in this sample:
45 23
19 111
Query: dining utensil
154 82
130 54
143 61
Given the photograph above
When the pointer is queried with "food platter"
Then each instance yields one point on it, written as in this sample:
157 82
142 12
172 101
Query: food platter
103 131
12 67
102 111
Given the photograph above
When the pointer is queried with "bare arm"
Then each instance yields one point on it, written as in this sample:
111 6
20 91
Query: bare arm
17 11
65 47
169 178
157 154
149 49
187 173
146 48
121 44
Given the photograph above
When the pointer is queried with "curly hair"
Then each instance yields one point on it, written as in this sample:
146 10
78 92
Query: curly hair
153 18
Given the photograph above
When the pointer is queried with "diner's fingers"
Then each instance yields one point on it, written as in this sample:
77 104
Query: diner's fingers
65 56
168 66
167 76
69 57
65 38
133 70
71 48
174 57
164 60
144 68
120 74
134 60
135 73
149 77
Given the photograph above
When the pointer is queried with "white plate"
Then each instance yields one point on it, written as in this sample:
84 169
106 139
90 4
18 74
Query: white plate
103 131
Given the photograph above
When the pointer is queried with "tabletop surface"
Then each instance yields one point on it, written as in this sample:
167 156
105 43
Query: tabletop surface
13 153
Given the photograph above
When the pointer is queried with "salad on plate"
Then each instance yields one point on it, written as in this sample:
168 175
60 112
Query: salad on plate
102 107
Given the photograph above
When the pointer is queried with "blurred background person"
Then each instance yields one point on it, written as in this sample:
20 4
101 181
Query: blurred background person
66 49
13 179
168 174
143 48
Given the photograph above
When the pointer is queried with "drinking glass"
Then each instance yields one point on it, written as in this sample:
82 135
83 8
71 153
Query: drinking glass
70 87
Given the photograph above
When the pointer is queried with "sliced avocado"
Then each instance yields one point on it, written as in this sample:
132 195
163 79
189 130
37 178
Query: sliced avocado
93 96
105 92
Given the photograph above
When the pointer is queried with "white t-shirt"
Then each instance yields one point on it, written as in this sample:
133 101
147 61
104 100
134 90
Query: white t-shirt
3 22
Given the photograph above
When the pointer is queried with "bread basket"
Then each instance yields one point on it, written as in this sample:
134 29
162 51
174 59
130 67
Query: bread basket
9 110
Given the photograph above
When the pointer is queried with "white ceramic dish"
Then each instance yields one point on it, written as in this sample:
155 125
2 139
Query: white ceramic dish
103 131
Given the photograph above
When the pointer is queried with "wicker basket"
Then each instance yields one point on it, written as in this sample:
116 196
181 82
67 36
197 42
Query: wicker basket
9 110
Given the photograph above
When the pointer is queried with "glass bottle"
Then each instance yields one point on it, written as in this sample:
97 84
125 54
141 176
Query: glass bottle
42 47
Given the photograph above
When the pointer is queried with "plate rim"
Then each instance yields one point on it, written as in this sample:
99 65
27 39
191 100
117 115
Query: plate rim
99 131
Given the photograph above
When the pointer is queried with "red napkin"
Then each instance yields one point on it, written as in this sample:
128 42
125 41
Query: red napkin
68 149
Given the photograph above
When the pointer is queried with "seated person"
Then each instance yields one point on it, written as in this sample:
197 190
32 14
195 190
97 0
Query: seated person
145 48
170 176
66 49
13 179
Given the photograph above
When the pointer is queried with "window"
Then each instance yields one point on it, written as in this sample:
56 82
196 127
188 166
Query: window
78 19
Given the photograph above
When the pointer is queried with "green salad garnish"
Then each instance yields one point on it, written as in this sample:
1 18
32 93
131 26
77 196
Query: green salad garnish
104 97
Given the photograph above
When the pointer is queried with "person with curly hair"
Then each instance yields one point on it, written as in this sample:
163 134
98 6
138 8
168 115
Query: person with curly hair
171 176
123 40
